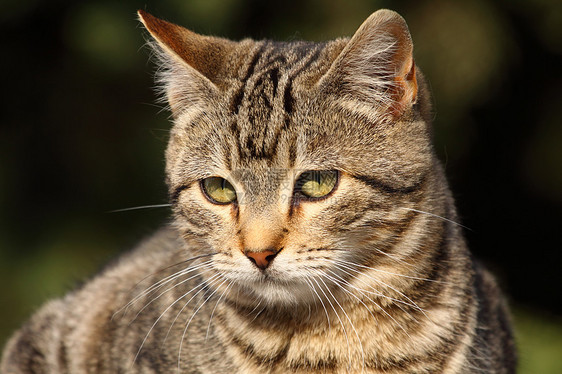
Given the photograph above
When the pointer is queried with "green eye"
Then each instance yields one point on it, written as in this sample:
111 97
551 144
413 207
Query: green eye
218 190
317 183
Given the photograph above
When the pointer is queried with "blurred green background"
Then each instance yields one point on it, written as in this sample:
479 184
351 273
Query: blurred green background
80 135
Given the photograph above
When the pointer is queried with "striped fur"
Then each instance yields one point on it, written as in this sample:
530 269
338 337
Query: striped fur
374 278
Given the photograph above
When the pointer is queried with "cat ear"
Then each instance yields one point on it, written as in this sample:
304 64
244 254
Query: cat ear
191 62
377 64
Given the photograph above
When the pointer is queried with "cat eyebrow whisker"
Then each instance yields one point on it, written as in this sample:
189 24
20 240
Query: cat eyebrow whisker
139 207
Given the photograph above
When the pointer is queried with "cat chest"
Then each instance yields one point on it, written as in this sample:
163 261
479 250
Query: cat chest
338 347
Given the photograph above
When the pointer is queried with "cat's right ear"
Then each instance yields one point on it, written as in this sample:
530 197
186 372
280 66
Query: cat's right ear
377 66
190 62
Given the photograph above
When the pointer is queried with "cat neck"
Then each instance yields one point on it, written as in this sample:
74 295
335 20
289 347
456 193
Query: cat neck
354 333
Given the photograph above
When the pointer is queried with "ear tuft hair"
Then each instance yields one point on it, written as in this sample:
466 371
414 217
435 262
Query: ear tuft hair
189 63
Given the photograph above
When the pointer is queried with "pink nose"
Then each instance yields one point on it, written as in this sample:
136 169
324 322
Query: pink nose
261 259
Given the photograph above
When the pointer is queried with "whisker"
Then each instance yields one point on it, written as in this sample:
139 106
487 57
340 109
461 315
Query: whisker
400 261
258 313
391 273
335 281
374 292
216 304
169 278
438 216
160 317
255 308
320 299
201 287
350 322
339 319
166 291
374 302
389 286
139 207
192 316
163 282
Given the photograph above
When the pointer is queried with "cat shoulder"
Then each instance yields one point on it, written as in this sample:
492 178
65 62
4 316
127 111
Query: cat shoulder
65 324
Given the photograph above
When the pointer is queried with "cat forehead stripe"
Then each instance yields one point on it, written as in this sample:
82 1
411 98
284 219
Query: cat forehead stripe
264 103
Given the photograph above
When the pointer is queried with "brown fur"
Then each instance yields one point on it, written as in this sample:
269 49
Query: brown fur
375 277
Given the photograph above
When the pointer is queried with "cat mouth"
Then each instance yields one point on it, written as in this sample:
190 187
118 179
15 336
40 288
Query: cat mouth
266 276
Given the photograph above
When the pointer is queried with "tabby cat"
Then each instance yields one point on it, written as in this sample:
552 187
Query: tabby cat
314 231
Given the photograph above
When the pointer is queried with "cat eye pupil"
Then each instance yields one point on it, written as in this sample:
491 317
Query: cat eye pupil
218 190
316 184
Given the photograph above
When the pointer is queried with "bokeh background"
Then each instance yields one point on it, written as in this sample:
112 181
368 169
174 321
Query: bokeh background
80 135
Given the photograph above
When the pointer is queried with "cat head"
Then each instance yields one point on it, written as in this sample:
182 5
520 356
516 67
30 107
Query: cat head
292 162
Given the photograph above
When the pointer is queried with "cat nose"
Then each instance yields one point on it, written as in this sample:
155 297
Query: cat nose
261 259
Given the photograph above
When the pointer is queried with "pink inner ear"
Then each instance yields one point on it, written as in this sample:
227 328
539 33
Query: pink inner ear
406 88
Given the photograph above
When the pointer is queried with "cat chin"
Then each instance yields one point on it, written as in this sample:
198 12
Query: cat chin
279 294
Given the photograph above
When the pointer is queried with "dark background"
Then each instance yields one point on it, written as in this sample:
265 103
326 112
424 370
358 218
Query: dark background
80 135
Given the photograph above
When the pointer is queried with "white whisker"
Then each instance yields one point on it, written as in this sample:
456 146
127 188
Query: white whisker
438 216
192 316
386 285
140 207
201 287
339 319
216 304
391 273
160 317
374 291
164 281
320 299
350 322
164 292
374 302
400 261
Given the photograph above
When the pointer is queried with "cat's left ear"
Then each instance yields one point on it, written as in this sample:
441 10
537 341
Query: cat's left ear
377 65
192 62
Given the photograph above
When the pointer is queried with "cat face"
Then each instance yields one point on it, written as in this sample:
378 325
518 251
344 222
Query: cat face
290 161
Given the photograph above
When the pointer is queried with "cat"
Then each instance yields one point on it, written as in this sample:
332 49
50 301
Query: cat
313 231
